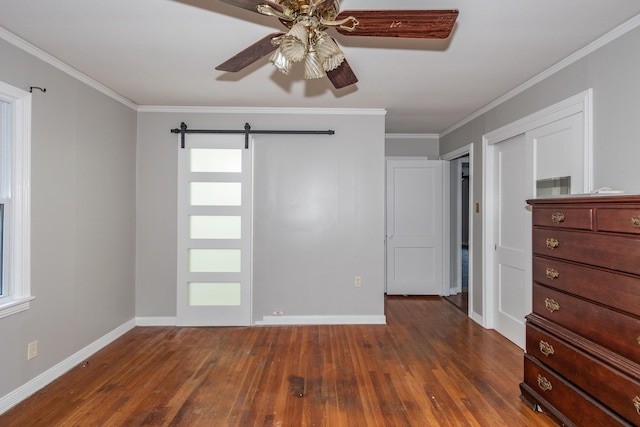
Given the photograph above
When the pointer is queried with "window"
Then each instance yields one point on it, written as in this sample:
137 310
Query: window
15 150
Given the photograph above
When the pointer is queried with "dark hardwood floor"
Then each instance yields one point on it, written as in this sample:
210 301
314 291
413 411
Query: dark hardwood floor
429 366
460 300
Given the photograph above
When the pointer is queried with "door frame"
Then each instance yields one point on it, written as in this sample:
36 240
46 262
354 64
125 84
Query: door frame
580 103
464 151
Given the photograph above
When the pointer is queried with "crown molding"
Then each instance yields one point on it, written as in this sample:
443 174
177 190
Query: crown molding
612 35
20 43
260 110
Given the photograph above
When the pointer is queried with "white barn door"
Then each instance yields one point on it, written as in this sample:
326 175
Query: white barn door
214 231
414 238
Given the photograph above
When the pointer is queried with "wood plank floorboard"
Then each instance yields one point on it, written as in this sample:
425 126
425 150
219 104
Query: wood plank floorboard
429 366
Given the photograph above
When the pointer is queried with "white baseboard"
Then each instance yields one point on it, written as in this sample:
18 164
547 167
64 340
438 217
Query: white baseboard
10 400
322 320
477 318
156 321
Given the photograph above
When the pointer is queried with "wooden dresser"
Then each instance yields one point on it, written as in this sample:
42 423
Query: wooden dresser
582 361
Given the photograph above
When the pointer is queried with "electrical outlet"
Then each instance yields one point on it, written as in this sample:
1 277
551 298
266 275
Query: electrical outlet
32 350
357 282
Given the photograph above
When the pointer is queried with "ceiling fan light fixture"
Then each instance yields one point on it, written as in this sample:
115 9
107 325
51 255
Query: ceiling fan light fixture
313 68
295 43
329 52
281 62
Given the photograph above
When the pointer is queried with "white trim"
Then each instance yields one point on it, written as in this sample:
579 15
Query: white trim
15 305
576 56
460 152
478 318
19 233
13 398
446 226
261 110
582 102
467 150
156 321
44 56
322 320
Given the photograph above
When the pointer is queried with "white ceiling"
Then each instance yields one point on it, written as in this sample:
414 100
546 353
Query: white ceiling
163 53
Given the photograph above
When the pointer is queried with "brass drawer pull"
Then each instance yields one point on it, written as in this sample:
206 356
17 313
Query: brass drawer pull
546 348
638 340
635 221
636 403
552 273
551 304
557 217
552 243
545 384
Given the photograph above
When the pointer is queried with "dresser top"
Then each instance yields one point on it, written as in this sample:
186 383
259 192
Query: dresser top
587 199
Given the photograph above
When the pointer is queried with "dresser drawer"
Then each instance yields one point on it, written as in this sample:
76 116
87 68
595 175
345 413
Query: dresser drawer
619 220
606 384
563 217
620 253
611 329
581 410
616 290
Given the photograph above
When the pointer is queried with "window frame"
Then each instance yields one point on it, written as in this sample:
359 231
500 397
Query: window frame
15 161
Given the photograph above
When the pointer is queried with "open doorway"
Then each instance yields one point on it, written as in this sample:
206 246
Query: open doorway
459 208
460 193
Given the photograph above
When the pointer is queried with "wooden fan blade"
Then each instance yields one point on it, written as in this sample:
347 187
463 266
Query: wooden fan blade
417 24
342 76
259 49
252 5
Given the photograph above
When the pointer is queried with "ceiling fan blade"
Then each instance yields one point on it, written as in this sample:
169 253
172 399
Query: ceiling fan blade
259 49
252 5
417 24
342 76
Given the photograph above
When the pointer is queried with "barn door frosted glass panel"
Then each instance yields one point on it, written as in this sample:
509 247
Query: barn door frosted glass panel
216 194
215 227
215 160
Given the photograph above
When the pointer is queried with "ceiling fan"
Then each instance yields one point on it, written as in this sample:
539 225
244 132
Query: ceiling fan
306 39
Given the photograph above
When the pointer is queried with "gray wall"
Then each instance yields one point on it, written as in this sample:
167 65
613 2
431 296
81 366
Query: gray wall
318 212
412 145
612 71
83 219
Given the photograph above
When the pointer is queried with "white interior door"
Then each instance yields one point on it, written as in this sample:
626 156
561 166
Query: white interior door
414 227
512 257
214 231
521 158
